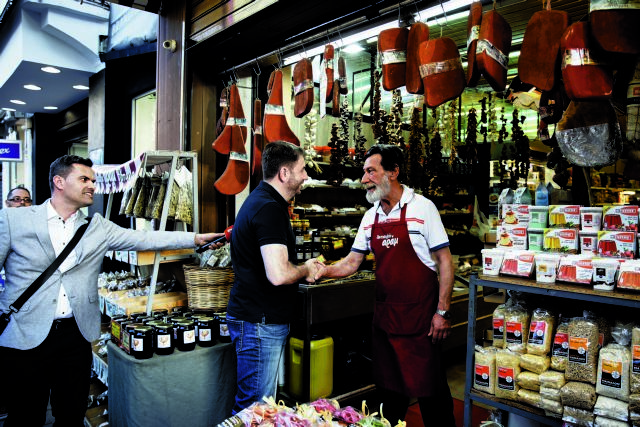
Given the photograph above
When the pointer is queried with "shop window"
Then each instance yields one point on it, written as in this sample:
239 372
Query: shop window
143 123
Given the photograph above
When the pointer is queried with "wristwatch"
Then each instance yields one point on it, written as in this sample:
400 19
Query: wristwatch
444 313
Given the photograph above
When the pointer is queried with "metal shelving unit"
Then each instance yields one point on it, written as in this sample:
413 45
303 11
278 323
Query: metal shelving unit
567 291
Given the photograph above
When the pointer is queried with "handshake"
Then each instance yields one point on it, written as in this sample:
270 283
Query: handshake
316 269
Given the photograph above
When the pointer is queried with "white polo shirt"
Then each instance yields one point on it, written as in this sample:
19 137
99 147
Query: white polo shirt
426 232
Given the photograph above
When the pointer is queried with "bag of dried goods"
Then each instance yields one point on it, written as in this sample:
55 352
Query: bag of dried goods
550 393
634 407
552 406
533 363
560 348
608 422
614 365
634 386
552 379
529 380
578 395
582 362
516 320
184 211
507 370
540 332
578 417
498 326
530 397
485 369
611 408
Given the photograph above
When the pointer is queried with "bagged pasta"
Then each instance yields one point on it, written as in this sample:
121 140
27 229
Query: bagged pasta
529 397
582 363
611 408
550 393
540 332
507 370
498 326
485 369
578 417
608 422
578 395
516 320
560 348
529 380
552 379
634 383
614 365
634 407
552 406
533 363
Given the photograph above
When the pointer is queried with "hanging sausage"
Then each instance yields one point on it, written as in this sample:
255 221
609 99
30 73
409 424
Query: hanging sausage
392 48
275 126
236 176
492 50
303 87
236 118
473 31
418 33
441 71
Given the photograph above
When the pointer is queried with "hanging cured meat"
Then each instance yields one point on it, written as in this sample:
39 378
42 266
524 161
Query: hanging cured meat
224 104
236 176
328 60
473 32
342 75
335 107
538 61
492 50
275 126
552 104
614 25
584 78
418 33
236 118
258 143
392 48
303 87
441 71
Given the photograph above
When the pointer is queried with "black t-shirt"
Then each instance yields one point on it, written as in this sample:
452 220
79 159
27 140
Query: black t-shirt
263 220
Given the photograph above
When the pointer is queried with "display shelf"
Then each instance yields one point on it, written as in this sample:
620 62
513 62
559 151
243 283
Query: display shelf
556 290
616 189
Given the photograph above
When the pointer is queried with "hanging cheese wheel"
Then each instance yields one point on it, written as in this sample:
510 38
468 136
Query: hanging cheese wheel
236 117
275 126
540 52
614 25
492 50
258 143
303 87
392 48
584 78
418 33
473 32
441 71
328 58
235 177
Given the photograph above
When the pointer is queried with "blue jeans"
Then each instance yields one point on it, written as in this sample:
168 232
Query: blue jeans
259 348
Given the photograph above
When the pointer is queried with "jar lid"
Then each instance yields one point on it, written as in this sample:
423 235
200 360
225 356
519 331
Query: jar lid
205 319
143 328
187 323
163 325
178 319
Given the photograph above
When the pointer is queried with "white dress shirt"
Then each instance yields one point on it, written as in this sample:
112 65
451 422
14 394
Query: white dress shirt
60 233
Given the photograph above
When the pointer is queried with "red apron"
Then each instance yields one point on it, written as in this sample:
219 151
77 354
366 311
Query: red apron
404 358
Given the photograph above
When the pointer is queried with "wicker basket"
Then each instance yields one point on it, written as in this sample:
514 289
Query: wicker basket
208 288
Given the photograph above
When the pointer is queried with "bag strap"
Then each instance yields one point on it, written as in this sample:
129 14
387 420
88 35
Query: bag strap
17 305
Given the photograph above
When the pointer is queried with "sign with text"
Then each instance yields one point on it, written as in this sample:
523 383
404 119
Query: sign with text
10 150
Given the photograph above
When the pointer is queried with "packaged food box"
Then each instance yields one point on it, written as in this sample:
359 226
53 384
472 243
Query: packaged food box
562 240
575 269
617 244
591 218
491 261
564 216
538 216
517 263
589 242
604 273
513 214
511 237
546 267
620 218
629 277
536 238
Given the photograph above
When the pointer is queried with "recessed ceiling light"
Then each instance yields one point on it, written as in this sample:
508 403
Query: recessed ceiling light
17 101
81 87
52 70
352 48
50 107
8 109
32 87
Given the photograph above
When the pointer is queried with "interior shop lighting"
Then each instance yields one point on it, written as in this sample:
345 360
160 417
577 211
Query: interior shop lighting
81 87
49 69
50 107
8 109
353 48
32 87
17 101
443 9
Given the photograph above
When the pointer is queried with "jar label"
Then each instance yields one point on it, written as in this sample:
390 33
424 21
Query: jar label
138 344
514 332
164 341
224 330
611 373
578 350
505 379
482 375
498 329
204 334
126 341
189 337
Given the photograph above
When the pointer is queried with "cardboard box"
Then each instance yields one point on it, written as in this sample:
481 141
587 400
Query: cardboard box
128 305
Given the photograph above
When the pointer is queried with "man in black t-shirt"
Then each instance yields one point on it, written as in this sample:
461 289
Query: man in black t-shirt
266 276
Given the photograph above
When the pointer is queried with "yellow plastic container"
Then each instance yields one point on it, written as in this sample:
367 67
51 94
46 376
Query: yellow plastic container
321 384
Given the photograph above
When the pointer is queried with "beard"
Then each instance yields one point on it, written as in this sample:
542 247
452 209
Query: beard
381 190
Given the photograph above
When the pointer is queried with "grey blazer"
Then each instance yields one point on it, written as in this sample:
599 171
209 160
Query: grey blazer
26 251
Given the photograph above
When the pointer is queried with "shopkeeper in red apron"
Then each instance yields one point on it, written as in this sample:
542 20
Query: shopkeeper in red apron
414 281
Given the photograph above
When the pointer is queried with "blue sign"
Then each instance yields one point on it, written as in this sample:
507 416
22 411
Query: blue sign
10 150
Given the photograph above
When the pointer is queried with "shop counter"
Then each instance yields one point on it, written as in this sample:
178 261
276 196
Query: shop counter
193 388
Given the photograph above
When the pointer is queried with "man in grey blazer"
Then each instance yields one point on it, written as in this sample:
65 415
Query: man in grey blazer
45 351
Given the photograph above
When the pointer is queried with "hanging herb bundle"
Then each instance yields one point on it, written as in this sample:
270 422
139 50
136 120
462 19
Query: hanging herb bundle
492 119
310 132
451 131
359 140
502 133
521 145
344 130
471 142
433 161
376 113
415 151
336 174
394 127
484 130
507 175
